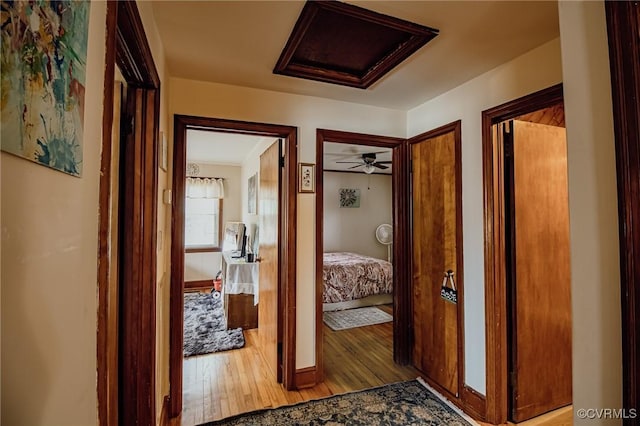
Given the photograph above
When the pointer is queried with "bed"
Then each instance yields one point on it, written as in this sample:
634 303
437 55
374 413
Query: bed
353 280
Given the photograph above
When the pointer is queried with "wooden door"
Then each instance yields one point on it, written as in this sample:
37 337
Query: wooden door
268 210
538 270
436 248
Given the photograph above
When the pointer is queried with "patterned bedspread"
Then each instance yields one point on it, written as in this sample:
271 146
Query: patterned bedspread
349 276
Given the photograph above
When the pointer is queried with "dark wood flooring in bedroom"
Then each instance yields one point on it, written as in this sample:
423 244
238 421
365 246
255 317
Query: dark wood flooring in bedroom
227 383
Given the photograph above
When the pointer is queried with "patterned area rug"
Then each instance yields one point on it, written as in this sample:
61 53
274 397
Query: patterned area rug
405 403
205 328
351 318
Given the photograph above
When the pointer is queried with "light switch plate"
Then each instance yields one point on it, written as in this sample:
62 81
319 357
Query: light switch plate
166 196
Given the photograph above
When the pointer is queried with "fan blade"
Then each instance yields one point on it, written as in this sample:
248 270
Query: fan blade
380 166
384 162
350 162
355 167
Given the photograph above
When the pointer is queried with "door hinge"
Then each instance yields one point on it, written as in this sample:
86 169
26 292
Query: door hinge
508 147
507 137
282 161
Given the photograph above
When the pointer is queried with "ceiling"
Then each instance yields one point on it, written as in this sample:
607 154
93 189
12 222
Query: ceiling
353 153
239 42
219 148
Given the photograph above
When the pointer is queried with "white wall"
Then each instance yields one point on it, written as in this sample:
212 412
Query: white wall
49 273
595 262
307 113
533 71
202 266
353 229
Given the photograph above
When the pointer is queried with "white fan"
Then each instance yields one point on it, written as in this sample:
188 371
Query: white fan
384 235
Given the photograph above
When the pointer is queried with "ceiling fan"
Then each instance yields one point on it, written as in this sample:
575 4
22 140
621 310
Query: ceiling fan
368 162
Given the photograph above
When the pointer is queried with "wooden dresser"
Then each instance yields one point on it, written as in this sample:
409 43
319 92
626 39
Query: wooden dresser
240 292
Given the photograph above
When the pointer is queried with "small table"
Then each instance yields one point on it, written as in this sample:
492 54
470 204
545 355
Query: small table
240 291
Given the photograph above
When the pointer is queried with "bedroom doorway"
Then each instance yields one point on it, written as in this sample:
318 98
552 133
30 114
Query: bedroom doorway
361 323
282 240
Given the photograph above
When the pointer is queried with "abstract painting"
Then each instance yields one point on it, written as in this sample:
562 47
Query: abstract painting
44 55
349 198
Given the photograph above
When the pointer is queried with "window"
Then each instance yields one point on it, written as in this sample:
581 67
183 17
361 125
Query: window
203 220
203 214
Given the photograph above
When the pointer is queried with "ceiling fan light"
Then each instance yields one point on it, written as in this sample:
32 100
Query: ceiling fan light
368 169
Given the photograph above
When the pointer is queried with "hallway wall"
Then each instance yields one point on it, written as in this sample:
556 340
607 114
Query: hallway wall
49 270
308 113
593 209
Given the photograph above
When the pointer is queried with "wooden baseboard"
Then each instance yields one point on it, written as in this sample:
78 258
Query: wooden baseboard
306 377
164 414
475 404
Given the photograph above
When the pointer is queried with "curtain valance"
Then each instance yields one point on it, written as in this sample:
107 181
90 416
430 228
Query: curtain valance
204 187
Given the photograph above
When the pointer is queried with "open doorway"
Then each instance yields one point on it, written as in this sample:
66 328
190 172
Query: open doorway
221 277
537 263
126 336
527 258
251 201
360 261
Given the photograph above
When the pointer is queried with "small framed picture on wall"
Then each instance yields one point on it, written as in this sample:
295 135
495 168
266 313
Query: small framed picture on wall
307 177
253 194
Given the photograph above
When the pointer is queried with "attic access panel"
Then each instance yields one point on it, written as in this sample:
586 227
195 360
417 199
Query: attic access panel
344 44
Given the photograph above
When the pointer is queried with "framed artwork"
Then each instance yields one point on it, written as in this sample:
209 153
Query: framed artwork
307 177
253 194
349 198
44 56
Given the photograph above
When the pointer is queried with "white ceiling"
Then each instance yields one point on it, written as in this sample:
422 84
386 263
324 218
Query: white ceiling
219 148
353 153
239 42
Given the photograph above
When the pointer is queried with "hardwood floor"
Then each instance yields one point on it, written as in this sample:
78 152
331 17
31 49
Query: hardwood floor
560 417
220 385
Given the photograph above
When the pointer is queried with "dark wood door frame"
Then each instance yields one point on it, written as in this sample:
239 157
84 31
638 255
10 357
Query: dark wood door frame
401 296
494 246
623 28
126 388
287 242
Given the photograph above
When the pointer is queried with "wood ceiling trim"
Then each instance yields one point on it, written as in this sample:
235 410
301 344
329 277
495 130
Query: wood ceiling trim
323 45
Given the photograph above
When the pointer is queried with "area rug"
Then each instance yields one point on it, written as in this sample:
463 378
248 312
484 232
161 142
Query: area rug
404 403
205 327
351 318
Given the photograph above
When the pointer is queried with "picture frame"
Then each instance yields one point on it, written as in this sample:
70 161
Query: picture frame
307 178
252 190
349 198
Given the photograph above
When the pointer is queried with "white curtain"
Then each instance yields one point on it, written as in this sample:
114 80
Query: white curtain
204 188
